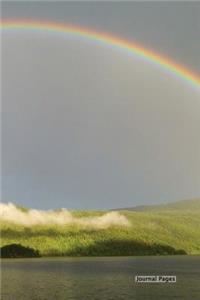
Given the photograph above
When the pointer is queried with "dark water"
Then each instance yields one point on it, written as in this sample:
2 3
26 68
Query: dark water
99 278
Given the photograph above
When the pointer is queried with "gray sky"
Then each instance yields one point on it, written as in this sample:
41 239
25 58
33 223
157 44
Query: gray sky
85 125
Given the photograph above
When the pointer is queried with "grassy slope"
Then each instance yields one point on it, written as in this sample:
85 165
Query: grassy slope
179 205
175 225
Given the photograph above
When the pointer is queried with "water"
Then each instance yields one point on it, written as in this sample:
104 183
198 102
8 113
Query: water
99 278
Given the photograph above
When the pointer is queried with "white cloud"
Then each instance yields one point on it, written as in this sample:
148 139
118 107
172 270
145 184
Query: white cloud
10 213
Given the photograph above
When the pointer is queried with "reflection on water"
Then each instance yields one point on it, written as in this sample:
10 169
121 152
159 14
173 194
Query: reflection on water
99 278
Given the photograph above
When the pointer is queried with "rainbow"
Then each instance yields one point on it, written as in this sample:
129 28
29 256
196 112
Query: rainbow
132 48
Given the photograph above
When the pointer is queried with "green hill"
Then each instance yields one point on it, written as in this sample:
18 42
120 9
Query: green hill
179 205
154 230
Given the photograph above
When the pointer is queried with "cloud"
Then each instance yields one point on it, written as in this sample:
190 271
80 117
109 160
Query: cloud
10 213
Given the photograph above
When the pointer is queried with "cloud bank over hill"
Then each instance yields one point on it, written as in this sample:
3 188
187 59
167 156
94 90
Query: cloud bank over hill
10 213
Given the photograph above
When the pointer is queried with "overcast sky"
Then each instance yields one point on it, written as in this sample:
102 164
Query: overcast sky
87 127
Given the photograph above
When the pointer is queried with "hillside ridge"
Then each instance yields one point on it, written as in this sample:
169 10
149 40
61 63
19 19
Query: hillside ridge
180 205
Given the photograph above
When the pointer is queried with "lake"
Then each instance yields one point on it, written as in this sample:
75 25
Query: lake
102 278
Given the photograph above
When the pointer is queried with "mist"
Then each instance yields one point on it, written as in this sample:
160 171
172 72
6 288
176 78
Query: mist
10 213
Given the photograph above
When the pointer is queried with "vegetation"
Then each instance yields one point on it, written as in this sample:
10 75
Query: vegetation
156 231
18 251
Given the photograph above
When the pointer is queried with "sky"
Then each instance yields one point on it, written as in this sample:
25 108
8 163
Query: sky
86 126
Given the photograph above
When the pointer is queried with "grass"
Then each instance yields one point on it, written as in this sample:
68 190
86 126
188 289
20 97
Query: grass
158 231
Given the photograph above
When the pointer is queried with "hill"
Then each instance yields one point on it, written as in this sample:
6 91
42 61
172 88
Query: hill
151 230
179 205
